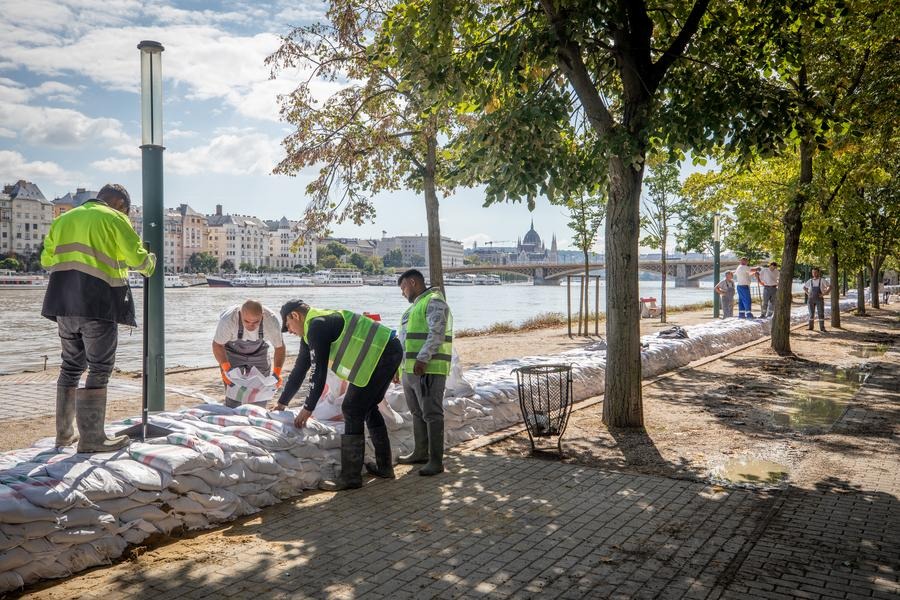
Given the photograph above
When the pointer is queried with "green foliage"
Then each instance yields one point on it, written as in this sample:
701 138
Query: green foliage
228 266
415 260
663 198
11 264
394 258
202 262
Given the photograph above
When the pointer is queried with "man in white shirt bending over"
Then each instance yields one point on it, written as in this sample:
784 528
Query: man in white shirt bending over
742 276
769 279
242 340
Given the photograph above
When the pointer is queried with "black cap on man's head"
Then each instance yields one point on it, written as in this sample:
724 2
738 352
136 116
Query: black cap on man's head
287 308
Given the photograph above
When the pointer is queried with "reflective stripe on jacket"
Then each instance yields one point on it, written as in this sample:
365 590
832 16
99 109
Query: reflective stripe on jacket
417 331
354 355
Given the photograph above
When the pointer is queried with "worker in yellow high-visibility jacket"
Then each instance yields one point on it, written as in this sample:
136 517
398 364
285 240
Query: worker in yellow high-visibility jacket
88 252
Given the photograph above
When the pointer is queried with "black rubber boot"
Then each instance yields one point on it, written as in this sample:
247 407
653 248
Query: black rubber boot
420 452
90 414
810 325
65 416
384 462
435 449
821 325
353 449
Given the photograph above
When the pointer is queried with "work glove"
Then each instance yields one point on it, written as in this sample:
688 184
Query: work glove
277 373
225 367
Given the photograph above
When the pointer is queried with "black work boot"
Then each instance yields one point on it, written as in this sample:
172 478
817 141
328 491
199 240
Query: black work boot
420 451
435 449
65 416
821 325
353 449
810 325
90 414
384 462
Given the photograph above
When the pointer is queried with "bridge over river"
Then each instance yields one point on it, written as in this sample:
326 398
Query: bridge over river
685 273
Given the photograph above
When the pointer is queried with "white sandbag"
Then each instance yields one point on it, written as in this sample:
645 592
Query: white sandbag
82 517
37 570
183 504
193 522
392 419
251 410
78 535
45 493
266 465
288 461
137 531
169 458
95 482
15 508
231 444
211 452
457 385
10 581
168 524
215 479
110 546
261 500
140 475
13 559
251 387
10 541
39 548
261 438
116 506
219 499
148 512
190 483
81 557
226 420
244 489
34 529
273 425
150 496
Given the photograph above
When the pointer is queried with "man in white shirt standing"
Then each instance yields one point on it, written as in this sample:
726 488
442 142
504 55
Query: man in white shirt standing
742 276
769 279
242 340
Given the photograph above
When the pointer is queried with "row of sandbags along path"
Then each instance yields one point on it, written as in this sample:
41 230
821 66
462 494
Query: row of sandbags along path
499 524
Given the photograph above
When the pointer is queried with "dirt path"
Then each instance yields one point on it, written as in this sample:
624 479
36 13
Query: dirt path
752 408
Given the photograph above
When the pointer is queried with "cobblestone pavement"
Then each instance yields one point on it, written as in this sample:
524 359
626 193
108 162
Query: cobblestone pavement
506 527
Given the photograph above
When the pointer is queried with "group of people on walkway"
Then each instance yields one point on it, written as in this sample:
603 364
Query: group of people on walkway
88 253
738 282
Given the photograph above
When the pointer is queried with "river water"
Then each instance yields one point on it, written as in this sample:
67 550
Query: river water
192 314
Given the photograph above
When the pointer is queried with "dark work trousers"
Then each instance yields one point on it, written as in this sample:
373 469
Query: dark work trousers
87 344
361 403
425 396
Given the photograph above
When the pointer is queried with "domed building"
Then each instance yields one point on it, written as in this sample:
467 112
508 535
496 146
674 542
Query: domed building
532 250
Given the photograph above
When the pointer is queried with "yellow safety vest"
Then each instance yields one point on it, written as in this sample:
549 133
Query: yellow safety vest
354 355
97 240
417 332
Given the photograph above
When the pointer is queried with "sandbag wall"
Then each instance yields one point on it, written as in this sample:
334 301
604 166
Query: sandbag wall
62 512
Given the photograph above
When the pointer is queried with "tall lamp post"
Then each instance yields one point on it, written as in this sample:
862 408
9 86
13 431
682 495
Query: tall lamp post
715 264
152 176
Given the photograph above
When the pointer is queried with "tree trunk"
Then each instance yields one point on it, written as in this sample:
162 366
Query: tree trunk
877 261
432 214
861 293
662 292
793 226
834 274
622 404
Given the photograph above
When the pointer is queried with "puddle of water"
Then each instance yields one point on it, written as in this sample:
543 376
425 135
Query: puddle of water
869 351
818 403
753 470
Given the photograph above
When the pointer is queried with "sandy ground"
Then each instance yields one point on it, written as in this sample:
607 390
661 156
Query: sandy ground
750 416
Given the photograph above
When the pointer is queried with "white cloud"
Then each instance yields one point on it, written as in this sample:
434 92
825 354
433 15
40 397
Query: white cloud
117 165
60 127
14 166
240 153
470 240
177 134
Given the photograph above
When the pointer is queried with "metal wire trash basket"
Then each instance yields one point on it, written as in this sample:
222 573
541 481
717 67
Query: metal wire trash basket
545 398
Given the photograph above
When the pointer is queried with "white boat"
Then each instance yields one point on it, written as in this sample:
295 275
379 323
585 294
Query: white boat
135 280
460 280
22 282
338 278
275 280
488 279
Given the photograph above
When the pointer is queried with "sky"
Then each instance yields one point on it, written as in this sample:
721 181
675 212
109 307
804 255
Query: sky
70 113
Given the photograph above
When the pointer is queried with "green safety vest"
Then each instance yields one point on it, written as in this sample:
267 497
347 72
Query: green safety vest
417 332
97 240
354 355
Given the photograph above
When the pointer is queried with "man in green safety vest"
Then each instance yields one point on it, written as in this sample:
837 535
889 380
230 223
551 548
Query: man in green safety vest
88 252
360 351
426 332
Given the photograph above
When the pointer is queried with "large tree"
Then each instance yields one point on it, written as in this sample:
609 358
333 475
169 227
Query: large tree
629 76
376 134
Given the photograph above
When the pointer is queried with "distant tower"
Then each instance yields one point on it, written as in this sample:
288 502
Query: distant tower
554 253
